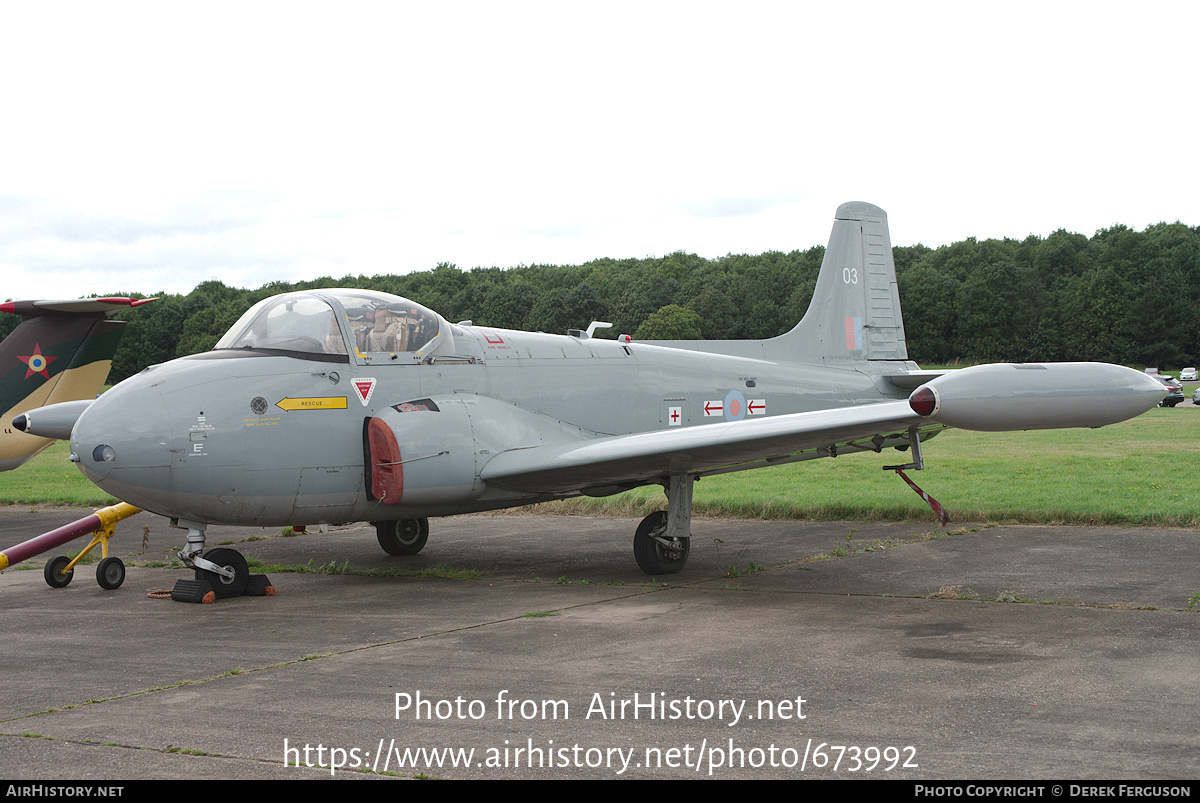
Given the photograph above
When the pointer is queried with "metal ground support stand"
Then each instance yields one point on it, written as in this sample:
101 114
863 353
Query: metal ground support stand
918 463
110 571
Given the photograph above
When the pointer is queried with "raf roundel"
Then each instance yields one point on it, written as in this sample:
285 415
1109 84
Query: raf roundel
735 406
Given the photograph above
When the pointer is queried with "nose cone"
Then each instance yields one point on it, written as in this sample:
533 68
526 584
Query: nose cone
170 440
121 443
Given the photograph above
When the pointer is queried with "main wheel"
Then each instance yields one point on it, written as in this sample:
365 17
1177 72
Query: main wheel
654 557
227 559
110 573
402 537
56 573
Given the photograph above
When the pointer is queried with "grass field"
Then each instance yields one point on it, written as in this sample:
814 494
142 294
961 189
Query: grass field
48 478
1136 472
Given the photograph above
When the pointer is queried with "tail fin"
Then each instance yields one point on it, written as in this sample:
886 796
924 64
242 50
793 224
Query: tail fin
854 314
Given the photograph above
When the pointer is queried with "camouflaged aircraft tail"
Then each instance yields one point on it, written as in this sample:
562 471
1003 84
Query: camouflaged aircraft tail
61 351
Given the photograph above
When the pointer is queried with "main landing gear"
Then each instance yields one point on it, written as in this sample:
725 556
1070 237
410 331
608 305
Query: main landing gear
663 539
403 536
219 573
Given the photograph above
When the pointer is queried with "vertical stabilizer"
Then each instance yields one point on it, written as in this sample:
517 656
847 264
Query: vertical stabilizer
855 310
61 351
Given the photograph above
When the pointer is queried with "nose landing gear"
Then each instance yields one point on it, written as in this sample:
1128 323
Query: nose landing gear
219 573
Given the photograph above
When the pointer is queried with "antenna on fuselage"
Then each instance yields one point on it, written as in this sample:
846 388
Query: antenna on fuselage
594 325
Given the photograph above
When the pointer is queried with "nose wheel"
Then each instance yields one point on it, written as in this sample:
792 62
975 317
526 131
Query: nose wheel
232 576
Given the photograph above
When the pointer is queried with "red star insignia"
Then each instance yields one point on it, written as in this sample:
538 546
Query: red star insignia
37 363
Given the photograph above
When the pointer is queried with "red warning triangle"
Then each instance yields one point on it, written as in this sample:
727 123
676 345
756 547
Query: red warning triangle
363 388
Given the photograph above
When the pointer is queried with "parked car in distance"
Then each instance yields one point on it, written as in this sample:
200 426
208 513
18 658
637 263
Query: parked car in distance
1196 397
1174 390
1188 375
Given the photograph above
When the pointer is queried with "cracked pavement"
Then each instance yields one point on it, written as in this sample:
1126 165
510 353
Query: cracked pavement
897 639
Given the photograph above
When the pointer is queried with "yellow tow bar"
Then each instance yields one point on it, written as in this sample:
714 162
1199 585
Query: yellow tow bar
102 524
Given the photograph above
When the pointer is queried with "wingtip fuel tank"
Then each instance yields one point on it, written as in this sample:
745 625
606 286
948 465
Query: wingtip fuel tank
53 420
1011 396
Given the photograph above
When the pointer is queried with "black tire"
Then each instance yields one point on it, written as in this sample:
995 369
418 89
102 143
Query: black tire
54 574
226 559
402 537
654 558
110 573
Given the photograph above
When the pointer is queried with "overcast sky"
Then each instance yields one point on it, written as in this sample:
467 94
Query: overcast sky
150 146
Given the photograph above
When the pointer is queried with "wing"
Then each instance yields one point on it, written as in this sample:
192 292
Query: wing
990 398
623 461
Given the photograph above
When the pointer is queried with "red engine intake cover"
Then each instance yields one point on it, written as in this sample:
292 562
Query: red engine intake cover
387 474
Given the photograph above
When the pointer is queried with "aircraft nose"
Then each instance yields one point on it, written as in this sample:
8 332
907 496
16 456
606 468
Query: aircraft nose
120 441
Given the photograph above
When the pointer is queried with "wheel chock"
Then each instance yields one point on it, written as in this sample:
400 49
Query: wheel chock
188 589
259 585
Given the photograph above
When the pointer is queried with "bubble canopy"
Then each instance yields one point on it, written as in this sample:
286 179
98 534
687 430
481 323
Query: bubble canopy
334 322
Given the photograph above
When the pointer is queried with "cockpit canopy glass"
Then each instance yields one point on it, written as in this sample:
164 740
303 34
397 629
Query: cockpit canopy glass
291 322
307 323
380 322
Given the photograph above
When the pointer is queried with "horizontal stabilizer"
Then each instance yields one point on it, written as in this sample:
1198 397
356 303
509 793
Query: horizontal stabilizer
76 306
910 380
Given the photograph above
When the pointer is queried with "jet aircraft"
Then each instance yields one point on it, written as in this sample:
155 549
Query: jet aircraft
60 352
345 405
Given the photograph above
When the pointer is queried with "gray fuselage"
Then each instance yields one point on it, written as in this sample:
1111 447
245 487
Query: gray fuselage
263 438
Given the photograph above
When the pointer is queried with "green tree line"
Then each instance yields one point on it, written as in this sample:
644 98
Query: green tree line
1119 296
